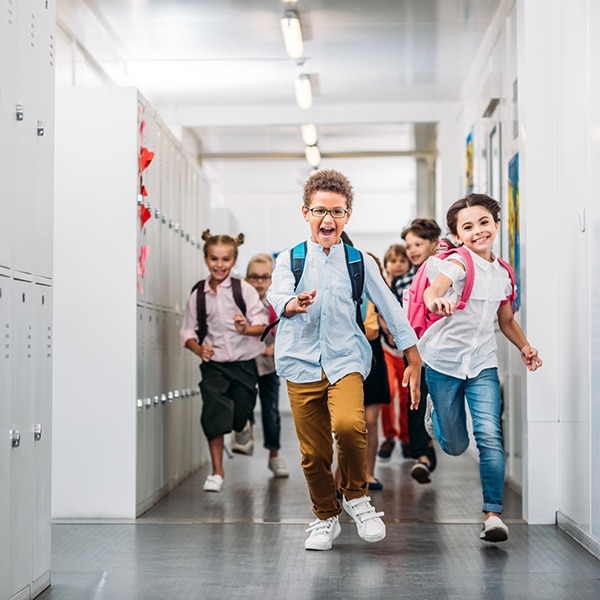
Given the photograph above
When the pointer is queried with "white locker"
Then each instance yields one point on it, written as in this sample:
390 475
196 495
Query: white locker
42 438
22 456
8 125
29 94
5 427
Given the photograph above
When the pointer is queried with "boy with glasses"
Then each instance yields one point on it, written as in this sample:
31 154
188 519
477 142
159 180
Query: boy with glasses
324 356
258 274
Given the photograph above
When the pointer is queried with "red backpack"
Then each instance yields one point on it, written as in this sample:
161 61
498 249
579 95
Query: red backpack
419 316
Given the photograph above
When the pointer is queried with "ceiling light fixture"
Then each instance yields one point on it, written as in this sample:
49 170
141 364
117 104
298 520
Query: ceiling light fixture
303 90
313 156
309 134
292 34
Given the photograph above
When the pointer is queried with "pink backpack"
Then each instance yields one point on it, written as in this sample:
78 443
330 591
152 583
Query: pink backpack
419 316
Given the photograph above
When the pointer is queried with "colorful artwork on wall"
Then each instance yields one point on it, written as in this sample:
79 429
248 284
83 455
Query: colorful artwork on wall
469 165
514 225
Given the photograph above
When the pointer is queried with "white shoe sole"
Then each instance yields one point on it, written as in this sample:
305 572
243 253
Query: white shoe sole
323 544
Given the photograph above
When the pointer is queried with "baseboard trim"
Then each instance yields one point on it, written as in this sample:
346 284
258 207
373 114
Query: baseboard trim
590 543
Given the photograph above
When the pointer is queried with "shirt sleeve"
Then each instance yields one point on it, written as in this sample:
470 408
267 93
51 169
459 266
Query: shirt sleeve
382 297
371 321
190 321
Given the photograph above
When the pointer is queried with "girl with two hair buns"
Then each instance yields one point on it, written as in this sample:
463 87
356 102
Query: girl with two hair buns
227 350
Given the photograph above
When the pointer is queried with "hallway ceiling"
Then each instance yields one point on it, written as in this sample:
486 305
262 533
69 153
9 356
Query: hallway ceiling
219 69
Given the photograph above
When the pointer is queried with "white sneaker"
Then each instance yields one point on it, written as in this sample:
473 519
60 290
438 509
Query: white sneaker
247 448
242 442
277 465
428 418
368 522
245 435
322 533
494 530
213 483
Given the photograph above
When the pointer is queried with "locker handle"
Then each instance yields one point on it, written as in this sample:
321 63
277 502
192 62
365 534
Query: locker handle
37 432
15 438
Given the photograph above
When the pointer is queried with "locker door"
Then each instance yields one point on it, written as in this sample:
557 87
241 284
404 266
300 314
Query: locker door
8 125
42 421
21 456
44 137
5 427
26 135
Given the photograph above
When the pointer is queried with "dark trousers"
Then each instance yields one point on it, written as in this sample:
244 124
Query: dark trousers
420 442
228 396
268 390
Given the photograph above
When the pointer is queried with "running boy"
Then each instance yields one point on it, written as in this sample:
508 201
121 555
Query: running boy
324 356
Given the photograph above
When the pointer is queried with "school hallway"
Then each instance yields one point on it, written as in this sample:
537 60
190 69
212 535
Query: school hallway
248 542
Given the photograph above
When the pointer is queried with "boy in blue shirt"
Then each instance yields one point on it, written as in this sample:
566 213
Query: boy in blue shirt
324 356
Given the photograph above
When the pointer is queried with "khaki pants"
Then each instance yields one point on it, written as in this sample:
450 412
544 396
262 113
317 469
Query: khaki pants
320 408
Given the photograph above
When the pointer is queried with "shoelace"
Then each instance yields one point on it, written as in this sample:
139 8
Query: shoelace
368 510
320 526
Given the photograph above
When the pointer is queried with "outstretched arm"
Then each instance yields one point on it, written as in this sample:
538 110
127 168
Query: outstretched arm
299 304
412 376
513 332
434 299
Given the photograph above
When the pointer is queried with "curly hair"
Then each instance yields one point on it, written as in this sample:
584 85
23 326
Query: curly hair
483 200
328 180
427 229
221 240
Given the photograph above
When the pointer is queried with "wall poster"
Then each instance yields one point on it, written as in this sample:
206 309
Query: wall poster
469 165
514 225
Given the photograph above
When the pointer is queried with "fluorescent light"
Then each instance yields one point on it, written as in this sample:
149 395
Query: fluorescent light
313 156
292 34
309 134
303 89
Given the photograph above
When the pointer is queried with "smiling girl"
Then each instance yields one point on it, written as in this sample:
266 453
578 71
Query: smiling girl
459 352
228 350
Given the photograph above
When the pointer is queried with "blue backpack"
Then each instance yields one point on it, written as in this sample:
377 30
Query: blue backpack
356 269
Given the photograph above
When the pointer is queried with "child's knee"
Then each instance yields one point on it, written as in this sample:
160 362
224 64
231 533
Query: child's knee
454 448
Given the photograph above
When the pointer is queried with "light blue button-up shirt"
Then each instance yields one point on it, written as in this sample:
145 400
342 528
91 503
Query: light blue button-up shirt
328 337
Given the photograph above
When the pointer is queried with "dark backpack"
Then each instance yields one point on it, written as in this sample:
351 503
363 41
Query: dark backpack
236 288
356 270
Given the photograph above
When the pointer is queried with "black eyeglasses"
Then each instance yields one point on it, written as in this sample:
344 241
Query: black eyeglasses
336 213
259 277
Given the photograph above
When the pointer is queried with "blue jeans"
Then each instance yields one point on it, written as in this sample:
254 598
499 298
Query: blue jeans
482 394
268 390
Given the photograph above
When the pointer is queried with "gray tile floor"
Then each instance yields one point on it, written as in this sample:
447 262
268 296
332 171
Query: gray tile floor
247 543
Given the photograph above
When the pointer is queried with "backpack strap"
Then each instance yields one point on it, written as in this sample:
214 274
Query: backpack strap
470 274
356 270
297 260
236 288
513 296
200 310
